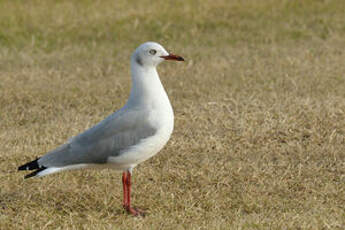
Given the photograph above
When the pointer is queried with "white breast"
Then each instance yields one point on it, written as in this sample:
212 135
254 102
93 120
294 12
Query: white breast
163 119
149 97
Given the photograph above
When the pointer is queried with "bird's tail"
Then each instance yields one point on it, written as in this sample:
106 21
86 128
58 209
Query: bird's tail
32 165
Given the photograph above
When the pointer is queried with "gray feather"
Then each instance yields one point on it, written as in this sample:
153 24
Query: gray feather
138 60
111 137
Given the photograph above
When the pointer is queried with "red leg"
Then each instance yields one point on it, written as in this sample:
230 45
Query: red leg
129 188
125 193
126 180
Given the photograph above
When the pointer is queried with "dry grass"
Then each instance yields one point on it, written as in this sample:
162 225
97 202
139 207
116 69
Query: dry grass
259 140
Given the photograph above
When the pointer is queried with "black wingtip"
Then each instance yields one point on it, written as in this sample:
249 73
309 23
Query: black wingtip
30 165
34 173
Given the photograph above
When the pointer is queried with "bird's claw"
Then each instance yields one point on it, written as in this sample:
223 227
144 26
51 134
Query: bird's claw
135 211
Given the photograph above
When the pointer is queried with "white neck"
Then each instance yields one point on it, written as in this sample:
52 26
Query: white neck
147 89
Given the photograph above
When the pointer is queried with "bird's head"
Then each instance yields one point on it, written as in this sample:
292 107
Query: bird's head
151 54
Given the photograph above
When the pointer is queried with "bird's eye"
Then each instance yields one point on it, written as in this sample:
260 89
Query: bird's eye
153 52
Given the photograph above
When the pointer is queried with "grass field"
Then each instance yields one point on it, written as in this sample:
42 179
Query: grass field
259 138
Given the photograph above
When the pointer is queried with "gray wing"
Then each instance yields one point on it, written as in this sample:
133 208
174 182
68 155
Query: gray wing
111 137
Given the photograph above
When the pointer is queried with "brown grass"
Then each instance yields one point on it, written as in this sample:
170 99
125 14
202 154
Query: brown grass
259 140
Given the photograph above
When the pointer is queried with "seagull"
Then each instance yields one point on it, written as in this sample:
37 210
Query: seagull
131 135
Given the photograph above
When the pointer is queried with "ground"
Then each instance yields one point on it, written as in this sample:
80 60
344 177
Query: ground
259 138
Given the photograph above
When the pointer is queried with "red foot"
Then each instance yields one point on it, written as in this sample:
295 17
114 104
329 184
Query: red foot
135 211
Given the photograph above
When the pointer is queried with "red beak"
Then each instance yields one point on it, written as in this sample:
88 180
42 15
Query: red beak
173 57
